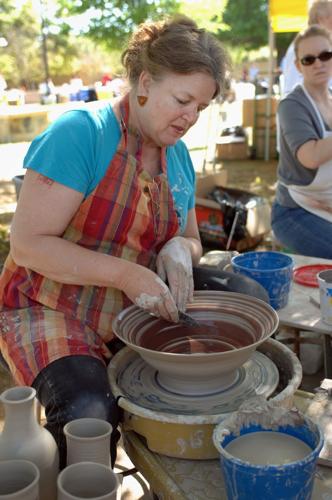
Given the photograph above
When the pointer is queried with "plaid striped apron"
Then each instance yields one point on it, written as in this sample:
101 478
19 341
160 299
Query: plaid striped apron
128 215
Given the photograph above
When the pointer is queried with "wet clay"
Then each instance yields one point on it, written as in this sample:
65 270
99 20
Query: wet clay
268 448
207 337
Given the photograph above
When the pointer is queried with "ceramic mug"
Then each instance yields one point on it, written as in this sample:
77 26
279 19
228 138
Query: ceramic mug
19 480
325 291
88 440
88 480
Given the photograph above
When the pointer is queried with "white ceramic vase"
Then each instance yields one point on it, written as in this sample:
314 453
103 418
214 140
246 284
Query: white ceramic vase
24 438
88 480
88 440
19 480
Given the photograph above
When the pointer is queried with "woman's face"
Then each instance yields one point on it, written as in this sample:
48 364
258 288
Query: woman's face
320 71
173 104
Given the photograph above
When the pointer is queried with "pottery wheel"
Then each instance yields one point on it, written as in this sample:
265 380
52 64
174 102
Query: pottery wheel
138 382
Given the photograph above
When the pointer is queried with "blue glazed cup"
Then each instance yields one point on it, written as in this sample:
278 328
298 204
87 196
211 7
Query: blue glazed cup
273 270
293 480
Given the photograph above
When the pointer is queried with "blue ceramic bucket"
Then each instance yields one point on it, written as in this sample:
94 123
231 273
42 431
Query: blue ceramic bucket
291 481
273 270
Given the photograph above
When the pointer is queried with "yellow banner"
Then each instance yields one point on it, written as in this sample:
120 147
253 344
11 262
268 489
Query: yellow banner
288 15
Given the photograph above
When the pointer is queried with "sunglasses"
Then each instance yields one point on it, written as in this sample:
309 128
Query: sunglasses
324 56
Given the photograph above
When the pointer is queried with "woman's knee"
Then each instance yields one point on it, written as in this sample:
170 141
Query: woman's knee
75 387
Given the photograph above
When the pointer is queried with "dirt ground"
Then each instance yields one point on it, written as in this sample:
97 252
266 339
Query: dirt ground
257 176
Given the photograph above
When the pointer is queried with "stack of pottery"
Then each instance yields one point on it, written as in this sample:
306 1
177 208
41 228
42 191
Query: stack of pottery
88 473
29 460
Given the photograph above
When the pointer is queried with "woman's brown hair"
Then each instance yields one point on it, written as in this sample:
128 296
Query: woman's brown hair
175 45
314 30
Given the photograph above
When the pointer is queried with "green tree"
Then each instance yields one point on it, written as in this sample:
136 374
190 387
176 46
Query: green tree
205 13
246 26
246 23
18 60
21 60
112 21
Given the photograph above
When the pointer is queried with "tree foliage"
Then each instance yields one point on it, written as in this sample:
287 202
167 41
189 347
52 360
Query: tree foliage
112 21
246 23
21 60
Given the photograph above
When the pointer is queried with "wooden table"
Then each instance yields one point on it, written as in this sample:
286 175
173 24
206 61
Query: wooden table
179 479
301 315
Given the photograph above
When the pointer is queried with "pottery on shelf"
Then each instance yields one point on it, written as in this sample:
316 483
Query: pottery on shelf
24 438
88 440
199 360
19 480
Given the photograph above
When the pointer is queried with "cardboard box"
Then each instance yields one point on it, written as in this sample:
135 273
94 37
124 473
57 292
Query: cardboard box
232 148
254 112
259 144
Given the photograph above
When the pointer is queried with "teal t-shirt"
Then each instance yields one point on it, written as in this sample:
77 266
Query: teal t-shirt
76 149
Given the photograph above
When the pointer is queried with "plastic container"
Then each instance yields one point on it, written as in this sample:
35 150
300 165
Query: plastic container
325 291
291 481
273 270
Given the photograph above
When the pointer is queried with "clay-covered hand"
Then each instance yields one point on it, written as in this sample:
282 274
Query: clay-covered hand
145 289
174 264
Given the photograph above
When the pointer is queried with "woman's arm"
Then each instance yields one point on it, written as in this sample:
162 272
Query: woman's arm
191 234
312 154
44 211
298 128
176 259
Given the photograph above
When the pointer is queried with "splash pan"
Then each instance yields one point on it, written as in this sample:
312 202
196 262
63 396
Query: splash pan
182 426
140 384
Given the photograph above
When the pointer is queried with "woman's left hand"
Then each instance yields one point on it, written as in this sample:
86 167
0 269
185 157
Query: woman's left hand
174 264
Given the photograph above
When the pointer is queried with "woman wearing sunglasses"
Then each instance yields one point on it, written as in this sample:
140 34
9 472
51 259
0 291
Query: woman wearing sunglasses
302 211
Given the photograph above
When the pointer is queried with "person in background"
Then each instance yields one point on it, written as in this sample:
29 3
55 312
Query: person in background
105 219
106 78
319 13
302 211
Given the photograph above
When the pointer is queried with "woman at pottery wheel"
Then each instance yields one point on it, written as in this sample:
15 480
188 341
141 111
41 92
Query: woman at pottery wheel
106 218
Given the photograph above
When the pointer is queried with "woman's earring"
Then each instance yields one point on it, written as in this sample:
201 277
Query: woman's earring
142 99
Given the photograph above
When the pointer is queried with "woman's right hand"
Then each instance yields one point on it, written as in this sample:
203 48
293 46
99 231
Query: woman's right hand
146 290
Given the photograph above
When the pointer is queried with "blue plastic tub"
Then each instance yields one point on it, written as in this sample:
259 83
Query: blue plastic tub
291 481
273 270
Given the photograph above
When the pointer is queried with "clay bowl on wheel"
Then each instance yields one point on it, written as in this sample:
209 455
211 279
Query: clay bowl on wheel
199 360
